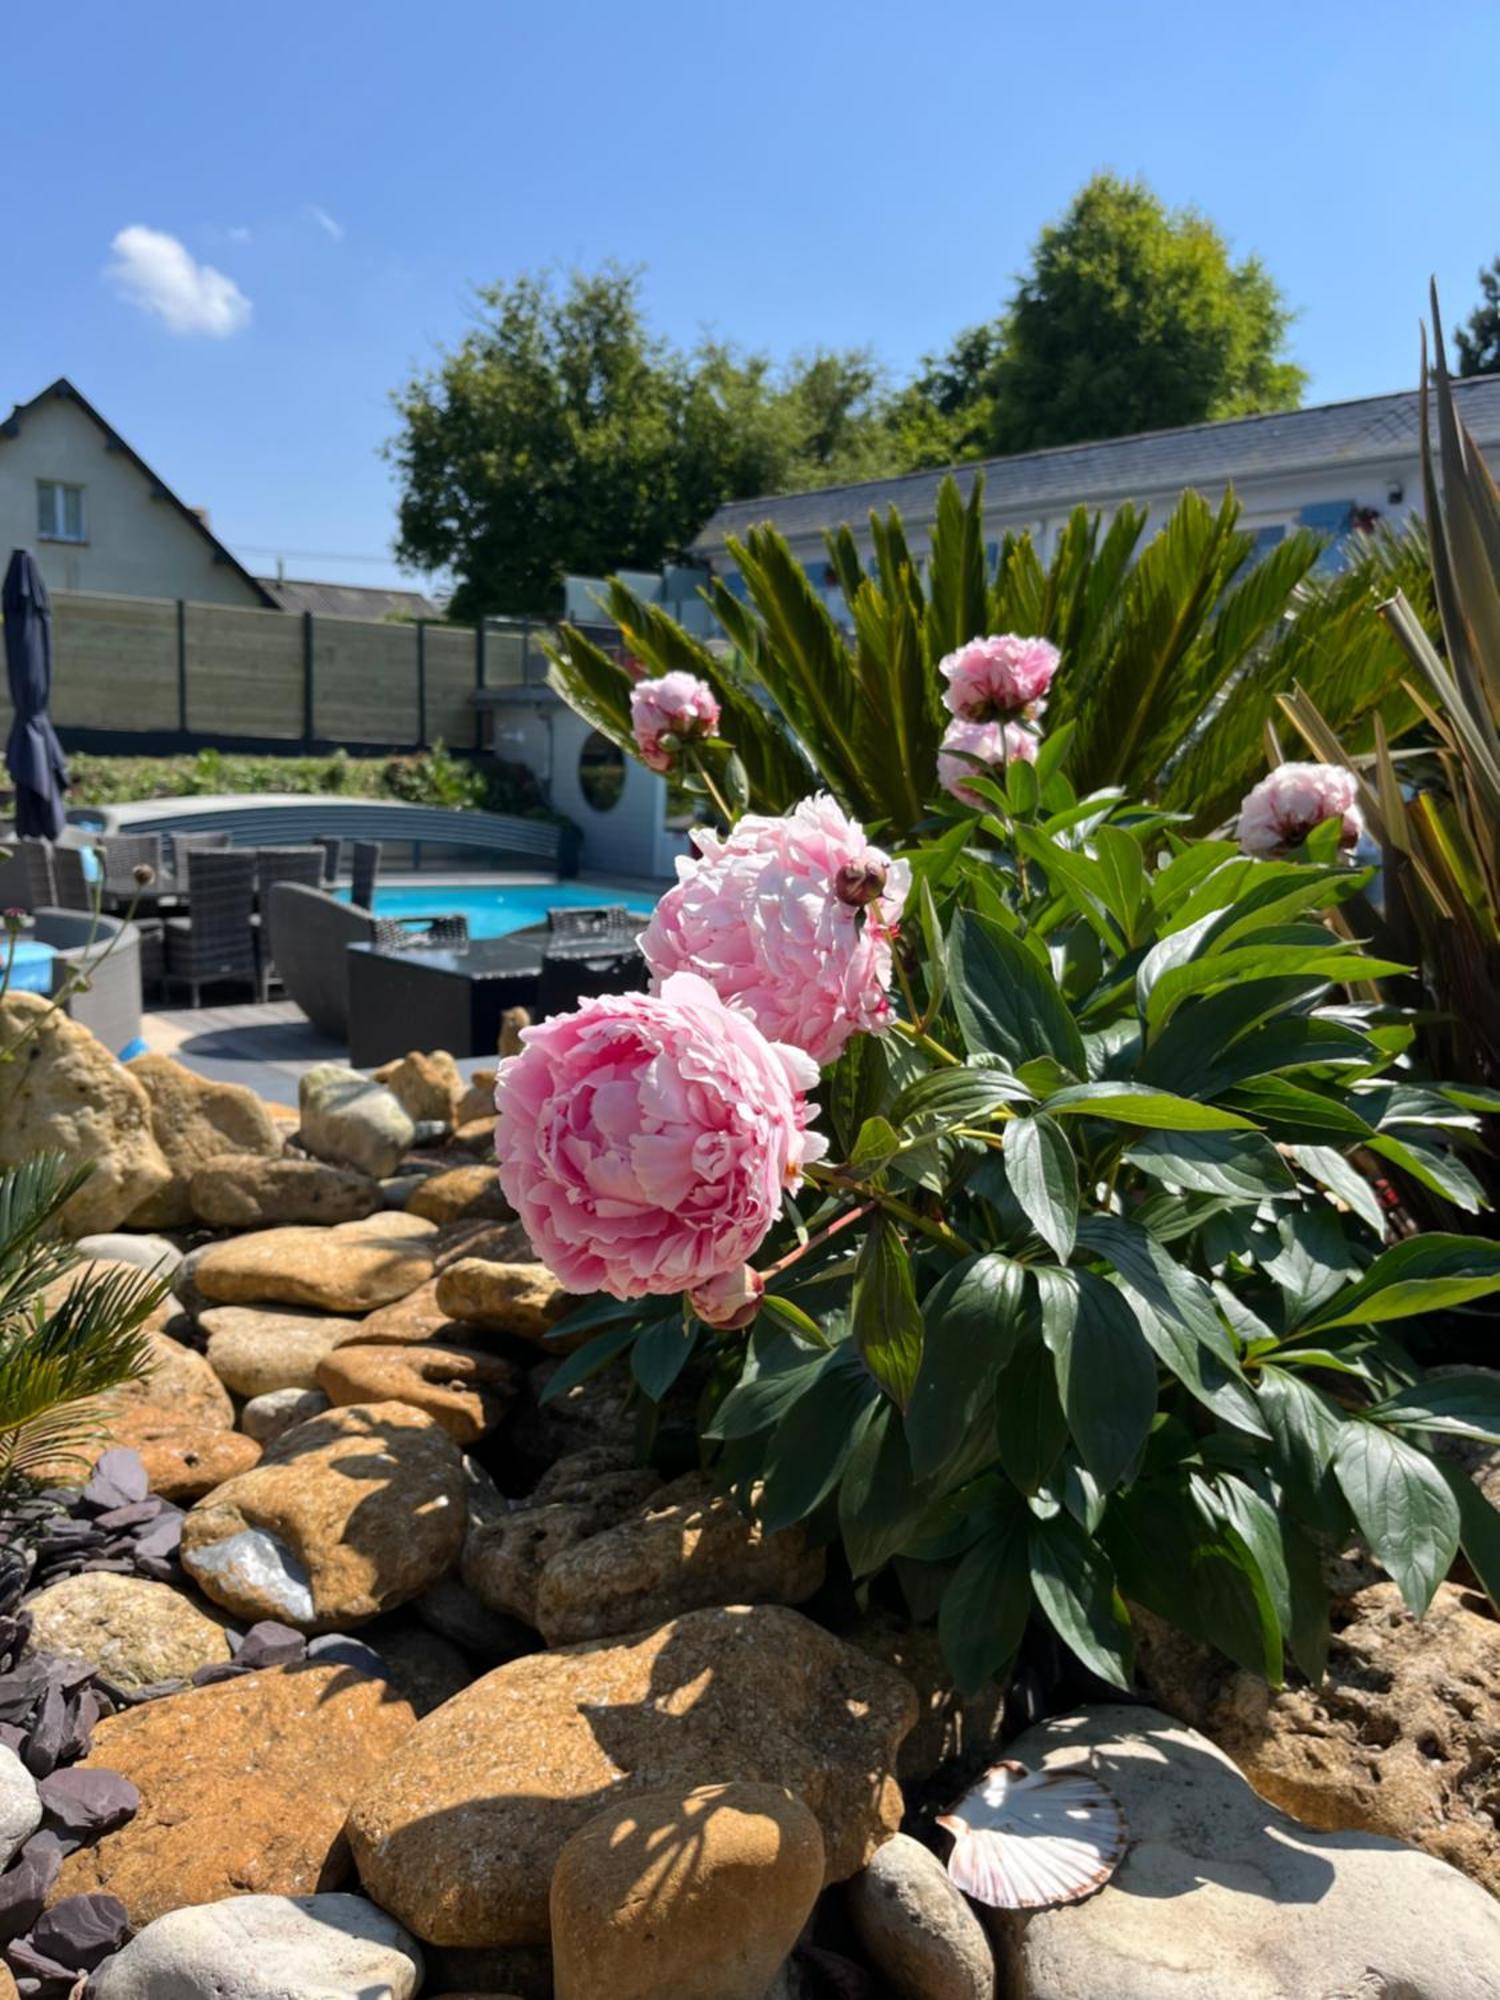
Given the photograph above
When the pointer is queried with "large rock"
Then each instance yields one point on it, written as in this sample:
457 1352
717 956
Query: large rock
232 1191
1220 1893
266 1417
192 1121
92 1271
465 1391
459 1832
64 1092
158 1254
596 1412
346 1516
179 1384
955 1733
916 1928
137 1633
351 1268
461 1194
256 1349
20 1808
328 1947
416 1317
520 1299
674 1895
506 1553
1402 1738
429 1086
348 1119
182 1461
687 1547
244 1788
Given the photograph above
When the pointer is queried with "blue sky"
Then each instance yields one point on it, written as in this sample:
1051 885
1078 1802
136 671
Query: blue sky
790 175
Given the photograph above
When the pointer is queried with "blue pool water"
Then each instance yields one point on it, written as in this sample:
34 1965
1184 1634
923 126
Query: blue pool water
494 910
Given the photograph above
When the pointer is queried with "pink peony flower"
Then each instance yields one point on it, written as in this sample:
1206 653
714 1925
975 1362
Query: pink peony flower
790 920
645 1141
1004 675
996 743
677 705
730 1301
1284 808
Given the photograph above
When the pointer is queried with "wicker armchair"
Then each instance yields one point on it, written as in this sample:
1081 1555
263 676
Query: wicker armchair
181 845
309 933
107 951
216 940
333 853
123 853
364 868
74 889
420 933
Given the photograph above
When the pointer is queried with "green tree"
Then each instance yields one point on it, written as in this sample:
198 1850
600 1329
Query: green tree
562 434
1132 318
1479 342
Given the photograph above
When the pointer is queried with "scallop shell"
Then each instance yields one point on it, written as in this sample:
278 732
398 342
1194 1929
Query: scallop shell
1025 1840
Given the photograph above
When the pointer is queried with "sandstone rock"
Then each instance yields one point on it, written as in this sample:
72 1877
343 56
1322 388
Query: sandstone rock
459 1832
347 1515
425 1670
465 1391
505 1557
952 1732
64 1092
256 1349
486 1637
684 1895
461 1194
417 1317
147 1252
8 1987
267 1416
596 1412
351 1121
193 1120
244 1787
183 1461
478 1100
328 1947
20 1808
91 1270
916 1928
520 1299
686 1548
1220 1893
137 1633
493 1242
1402 1738
512 1023
427 1086
474 1138
179 1384
231 1191
350 1268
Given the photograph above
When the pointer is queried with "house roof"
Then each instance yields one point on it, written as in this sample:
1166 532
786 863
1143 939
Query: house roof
1322 438
348 600
62 390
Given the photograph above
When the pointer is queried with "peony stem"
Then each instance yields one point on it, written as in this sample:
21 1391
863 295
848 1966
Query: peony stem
925 1041
914 1219
813 1242
701 769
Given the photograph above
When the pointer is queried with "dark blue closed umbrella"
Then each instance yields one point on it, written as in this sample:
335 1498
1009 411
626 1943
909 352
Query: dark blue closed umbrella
33 753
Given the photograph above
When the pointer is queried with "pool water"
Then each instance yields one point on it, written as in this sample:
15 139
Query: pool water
497 909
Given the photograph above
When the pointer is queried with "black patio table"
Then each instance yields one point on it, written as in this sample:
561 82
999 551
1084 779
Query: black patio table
449 997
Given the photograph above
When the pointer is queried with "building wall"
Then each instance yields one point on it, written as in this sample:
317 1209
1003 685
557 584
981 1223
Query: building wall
136 546
632 837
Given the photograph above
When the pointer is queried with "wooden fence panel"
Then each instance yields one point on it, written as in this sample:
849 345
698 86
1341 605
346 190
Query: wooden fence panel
451 713
244 672
364 681
114 662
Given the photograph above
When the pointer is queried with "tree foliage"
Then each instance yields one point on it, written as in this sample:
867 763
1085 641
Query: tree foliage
1133 317
562 434
1478 342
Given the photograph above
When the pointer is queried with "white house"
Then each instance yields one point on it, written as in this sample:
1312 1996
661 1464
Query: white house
1334 467
98 518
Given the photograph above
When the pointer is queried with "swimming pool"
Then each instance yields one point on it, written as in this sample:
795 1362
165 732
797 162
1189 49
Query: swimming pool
496 909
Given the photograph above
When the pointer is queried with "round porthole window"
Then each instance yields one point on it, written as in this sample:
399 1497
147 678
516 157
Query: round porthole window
601 772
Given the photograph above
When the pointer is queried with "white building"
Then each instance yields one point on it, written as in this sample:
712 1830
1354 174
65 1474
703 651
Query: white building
1336 467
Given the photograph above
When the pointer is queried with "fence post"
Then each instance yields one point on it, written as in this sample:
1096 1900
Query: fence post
308 689
479 672
182 677
421 683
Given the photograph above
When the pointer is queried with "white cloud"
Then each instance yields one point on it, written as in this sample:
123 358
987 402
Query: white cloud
330 228
161 276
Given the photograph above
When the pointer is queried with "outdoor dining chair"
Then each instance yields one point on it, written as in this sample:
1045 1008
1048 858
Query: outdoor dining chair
273 865
216 940
181 845
123 853
332 845
39 882
364 867
74 889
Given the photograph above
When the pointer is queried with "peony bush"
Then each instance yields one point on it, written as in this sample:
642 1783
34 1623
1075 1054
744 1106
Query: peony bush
1007 1178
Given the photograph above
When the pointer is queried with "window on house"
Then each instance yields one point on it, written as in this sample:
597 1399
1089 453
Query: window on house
59 512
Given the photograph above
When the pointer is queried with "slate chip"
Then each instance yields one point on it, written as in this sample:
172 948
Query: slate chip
86 1804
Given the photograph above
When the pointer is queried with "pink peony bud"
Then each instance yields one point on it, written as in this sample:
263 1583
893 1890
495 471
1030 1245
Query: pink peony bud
760 915
666 713
729 1302
1283 808
646 1140
999 677
859 883
995 744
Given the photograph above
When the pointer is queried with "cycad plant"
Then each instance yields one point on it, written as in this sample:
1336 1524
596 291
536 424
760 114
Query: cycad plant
1436 814
57 1360
1175 646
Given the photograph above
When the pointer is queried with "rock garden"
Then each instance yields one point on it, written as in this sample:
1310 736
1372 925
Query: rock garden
946 1450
